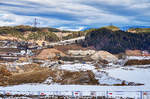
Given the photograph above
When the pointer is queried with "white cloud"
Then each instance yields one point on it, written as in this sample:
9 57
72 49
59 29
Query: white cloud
8 19
76 11
72 28
141 6
11 19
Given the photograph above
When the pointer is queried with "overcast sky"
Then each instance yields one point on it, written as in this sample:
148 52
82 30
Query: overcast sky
74 14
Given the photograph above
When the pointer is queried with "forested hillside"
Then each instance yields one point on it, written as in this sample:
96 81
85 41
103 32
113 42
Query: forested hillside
116 41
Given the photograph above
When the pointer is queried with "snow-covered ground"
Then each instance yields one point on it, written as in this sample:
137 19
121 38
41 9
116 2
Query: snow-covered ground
131 74
101 76
138 57
36 89
109 75
77 67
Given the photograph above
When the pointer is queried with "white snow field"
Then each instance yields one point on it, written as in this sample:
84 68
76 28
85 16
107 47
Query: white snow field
77 67
138 57
109 75
132 74
103 77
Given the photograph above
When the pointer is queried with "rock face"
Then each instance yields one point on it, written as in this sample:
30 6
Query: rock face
50 54
104 55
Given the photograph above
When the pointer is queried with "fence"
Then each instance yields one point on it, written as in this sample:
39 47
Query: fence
76 94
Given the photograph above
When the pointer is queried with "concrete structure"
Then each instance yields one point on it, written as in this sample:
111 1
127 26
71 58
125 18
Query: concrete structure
81 52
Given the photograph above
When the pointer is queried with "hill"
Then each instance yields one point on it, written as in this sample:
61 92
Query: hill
116 41
28 33
111 27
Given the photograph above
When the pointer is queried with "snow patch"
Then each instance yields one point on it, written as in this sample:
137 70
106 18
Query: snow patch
138 57
77 67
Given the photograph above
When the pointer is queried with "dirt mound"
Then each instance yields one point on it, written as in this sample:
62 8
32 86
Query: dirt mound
50 54
83 78
67 77
104 55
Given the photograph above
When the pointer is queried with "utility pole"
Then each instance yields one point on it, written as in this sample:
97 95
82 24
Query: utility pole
35 23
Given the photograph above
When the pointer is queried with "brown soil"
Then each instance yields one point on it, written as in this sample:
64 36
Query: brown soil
37 51
50 53
36 76
82 78
68 77
137 62
80 59
39 75
4 75
9 50
31 73
30 67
